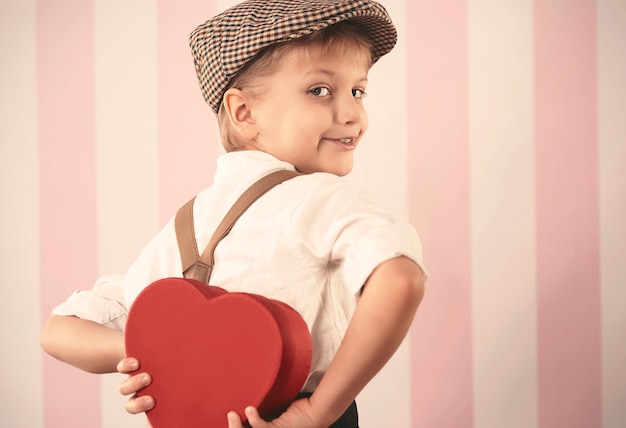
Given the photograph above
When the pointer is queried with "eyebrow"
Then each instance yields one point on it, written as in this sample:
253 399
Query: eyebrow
331 73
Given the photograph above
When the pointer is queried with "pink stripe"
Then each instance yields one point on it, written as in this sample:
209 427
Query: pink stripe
67 189
187 126
441 358
569 358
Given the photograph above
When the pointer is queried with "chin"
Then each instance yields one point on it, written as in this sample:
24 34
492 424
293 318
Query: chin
336 168
341 172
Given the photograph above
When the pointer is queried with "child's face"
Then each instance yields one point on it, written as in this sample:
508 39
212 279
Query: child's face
311 113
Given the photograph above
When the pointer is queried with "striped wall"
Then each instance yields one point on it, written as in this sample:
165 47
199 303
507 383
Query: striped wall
498 128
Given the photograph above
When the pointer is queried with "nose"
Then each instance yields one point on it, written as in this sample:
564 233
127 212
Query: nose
349 110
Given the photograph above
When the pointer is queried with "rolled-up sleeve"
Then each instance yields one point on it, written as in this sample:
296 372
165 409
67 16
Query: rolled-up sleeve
376 245
342 222
103 304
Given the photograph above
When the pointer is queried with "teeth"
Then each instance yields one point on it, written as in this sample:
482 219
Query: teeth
345 140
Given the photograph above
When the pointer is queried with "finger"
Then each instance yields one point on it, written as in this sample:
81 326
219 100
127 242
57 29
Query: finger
141 404
135 383
128 365
254 419
234 421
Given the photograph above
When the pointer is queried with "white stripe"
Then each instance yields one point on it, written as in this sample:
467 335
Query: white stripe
20 306
127 150
502 213
113 413
381 159
612 146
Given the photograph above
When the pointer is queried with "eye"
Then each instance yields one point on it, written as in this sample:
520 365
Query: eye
358 93
320 91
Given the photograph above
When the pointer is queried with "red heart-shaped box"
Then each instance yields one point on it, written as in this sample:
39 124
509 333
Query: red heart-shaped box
210 352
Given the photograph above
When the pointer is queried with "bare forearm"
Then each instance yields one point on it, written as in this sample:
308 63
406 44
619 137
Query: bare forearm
380 323
83 344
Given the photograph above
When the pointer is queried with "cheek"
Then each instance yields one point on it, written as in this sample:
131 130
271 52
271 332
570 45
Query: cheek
271 122
308 124
364 121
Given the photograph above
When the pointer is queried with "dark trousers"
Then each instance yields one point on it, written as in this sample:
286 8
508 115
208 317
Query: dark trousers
349 419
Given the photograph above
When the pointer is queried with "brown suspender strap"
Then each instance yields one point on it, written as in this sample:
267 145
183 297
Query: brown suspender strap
200 266
186 236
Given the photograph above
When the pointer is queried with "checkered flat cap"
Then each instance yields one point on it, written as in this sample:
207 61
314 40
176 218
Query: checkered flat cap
224 44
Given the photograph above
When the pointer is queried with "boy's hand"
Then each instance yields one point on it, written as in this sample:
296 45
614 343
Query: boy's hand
299 414
134 384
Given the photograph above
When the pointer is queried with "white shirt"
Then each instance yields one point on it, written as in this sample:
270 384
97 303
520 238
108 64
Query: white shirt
310 242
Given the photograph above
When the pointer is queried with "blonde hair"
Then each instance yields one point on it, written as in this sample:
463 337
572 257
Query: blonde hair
343 38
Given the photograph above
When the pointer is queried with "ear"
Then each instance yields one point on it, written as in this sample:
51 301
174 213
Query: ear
237 106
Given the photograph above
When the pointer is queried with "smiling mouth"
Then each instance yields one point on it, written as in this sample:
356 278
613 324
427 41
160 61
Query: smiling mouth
348 143
345 141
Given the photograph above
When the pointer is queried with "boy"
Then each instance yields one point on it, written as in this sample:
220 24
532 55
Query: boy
287 81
